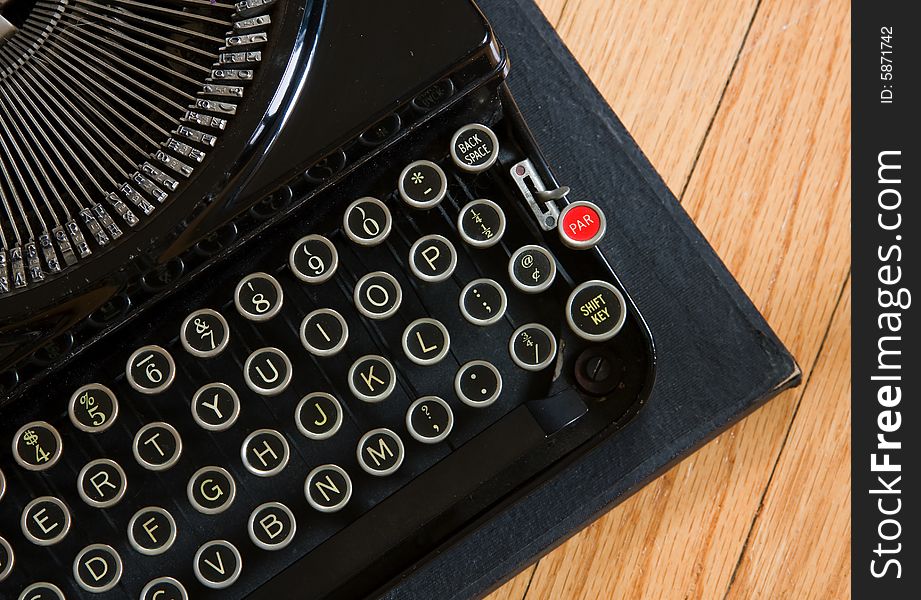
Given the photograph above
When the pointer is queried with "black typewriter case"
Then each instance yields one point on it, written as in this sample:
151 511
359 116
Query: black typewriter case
498 454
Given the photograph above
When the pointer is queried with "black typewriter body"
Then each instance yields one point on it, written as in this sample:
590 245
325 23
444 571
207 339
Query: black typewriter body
369 271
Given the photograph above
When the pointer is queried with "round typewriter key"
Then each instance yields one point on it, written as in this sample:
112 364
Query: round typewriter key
328 488
265 452
324 332
533 347
367 221
152 531
217 564
98 568
258 297
157 446
423 184
204 333
93 408
215 406
45 521
481 223
313 259
478 383
272 526
474 148
378 295
2 484
42 591
318 416
211 490
150 370
426 341
267 371
581 225
380 452
532 269
7 558
429 420
372 378
432 258
37 446
102 483
483 302
164 588
596 311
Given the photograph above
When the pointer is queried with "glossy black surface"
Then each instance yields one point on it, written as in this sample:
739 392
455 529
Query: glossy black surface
542 421
334 69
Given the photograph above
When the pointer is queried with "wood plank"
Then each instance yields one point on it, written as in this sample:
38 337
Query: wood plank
661 65
552 9
809 497
762 196
516 588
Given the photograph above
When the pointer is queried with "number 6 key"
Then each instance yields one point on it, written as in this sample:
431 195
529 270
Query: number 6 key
150 370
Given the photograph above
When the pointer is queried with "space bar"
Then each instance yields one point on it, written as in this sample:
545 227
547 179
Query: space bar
339 564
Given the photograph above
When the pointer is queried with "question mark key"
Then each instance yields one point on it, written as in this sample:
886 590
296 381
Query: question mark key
429 420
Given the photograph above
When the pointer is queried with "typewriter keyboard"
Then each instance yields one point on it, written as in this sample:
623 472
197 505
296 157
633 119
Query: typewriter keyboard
238 434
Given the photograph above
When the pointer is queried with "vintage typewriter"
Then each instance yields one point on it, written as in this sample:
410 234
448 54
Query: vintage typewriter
289 299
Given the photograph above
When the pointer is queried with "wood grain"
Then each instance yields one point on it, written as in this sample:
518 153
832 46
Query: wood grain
663 65
782 548
746 108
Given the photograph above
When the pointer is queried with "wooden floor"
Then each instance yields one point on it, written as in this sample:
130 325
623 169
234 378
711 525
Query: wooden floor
743 106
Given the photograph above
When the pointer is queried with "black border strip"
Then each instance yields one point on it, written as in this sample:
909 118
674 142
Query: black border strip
885 346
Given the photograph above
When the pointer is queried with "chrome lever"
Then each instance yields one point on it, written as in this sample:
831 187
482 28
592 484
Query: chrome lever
541 200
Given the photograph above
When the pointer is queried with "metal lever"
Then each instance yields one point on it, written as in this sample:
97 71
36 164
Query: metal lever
541 200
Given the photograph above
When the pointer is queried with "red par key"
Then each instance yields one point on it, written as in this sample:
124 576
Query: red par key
582 225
